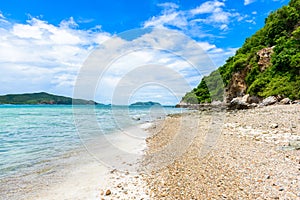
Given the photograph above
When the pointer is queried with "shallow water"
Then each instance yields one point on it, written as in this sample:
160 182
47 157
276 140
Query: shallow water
35 137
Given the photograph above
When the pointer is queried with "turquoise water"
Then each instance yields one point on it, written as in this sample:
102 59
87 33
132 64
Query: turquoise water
31 135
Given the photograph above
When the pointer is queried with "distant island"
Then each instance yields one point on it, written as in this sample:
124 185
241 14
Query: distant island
43 98
149 103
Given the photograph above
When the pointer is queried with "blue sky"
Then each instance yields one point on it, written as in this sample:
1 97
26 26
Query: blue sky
44 44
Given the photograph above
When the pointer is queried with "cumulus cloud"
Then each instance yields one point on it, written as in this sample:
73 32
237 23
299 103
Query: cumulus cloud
41 56
38 56
247 2
209 13
162 57
207 7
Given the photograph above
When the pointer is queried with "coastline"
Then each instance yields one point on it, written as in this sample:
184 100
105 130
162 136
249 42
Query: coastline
95 179
251 157
81 175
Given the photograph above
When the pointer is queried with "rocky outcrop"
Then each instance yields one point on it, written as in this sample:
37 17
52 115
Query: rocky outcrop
265 58
182 104
237 86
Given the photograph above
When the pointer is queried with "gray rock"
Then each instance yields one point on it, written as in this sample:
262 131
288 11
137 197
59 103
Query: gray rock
245 99
274 126
253 105
296 102
238 103
216 103
285 101
269 101
295 144
254 99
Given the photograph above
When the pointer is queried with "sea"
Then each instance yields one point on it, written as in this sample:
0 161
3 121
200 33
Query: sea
35 136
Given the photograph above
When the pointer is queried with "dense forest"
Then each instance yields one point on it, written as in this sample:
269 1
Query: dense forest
267 64
41 98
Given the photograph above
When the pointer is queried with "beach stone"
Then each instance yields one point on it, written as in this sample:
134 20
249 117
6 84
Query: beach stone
237 103
285 101
245 98
253 99
295 144
269 101
108 192
274 126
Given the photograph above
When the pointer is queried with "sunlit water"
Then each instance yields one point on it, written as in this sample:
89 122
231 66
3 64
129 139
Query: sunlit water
32 135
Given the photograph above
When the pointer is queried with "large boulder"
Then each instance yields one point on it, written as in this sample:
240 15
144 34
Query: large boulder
254 99
286 101
238 103
269 101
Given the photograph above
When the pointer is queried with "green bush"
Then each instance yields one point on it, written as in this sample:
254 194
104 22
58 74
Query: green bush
282 30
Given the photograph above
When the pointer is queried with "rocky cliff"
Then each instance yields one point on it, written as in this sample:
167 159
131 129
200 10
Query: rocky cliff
268 63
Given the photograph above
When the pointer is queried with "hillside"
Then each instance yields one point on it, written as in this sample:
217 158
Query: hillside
41 98
267 64
149 103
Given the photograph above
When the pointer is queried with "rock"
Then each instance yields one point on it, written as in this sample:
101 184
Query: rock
285 101
274 126
182 104
265 58
254 99
245 98
237 103
295 144
269 101
296 102
163 194
108 192
216 103
253 105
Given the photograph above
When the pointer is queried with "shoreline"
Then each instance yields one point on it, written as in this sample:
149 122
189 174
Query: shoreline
93 179
80 175
250 158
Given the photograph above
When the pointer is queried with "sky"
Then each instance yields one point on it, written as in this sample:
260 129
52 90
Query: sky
121 51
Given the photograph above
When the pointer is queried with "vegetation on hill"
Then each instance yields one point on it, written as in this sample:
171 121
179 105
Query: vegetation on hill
280 77
149 103
41 98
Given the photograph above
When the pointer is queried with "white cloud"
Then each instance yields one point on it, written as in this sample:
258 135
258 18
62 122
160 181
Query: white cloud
172 19
176 62
43 57
168 6
2 16
207 7
38 56
209 13
206 46
247 2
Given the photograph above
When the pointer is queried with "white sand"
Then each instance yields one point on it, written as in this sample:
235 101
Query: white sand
91 179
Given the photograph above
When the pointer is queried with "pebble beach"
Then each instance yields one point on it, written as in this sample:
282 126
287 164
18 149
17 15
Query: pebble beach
255 156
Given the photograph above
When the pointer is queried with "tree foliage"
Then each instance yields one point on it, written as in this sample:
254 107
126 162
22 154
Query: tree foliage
282 77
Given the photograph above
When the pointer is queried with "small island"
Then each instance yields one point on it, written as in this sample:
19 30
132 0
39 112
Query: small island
42 98
149 103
